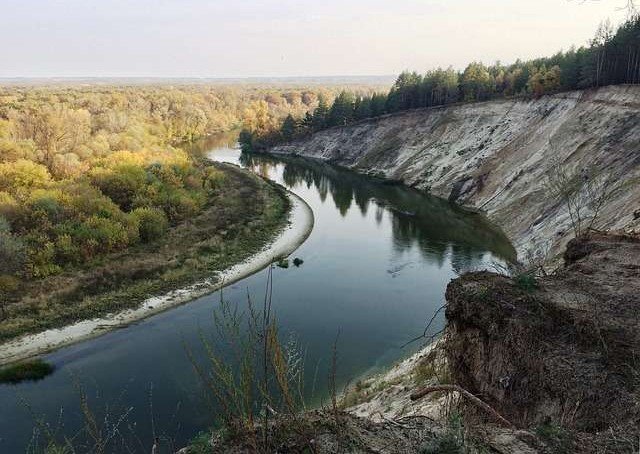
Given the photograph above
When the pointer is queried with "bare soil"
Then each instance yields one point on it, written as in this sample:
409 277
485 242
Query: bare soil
562 358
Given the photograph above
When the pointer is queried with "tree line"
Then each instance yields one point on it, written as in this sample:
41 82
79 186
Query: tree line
89 171
611 57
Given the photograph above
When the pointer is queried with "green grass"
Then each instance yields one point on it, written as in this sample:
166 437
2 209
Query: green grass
526 282
554 436
450 442
31 370
200 444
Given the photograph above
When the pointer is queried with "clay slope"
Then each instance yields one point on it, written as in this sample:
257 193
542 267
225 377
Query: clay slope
564 354
494 156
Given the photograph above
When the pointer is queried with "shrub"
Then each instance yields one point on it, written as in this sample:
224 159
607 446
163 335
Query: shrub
22 175
212 178
152 223
35 369
178 204
526 282
12 250
98 234
445 444
451 442
555 436
8 287
9 208
67 251
85 200
121 184
40 256
48 203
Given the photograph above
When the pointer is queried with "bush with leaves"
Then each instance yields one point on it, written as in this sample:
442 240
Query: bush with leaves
152 223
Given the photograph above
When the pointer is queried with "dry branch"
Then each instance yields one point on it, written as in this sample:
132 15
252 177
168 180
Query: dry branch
424 333
467 395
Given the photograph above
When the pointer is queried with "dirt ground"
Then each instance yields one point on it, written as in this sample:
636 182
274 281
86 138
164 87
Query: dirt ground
560 356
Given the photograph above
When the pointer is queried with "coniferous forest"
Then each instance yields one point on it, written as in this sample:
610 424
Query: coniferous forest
611 57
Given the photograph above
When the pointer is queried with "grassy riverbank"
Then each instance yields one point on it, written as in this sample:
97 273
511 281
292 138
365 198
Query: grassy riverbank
239 218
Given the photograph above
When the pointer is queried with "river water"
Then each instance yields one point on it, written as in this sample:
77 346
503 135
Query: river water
375 269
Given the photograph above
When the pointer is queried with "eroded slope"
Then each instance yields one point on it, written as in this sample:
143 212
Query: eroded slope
565 353
494 156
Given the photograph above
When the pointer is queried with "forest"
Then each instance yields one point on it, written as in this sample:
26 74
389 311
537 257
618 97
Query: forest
611 57
90 171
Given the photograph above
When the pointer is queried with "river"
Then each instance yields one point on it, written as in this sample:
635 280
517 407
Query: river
375 269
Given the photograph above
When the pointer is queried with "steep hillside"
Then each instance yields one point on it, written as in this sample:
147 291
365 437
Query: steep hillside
563 353
494 156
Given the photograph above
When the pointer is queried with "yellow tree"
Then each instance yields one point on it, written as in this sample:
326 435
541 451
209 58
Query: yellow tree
477 83
55 129
257 118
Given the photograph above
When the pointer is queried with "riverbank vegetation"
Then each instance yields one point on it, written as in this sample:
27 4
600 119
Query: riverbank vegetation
236 219
31 370
100 205
611 57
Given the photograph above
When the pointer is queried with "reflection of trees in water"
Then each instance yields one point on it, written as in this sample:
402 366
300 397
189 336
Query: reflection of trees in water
323 189
465 258
379 214
342 197
439 229
342 192
227 139
362 200
246 160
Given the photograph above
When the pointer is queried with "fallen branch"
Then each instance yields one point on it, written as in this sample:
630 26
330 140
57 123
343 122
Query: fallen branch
424 334
467 395
391 421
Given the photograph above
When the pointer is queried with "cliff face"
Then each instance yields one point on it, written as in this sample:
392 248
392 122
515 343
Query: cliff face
564 352
494 156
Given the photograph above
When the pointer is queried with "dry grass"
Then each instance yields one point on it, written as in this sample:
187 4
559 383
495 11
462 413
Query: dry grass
251 376
561 356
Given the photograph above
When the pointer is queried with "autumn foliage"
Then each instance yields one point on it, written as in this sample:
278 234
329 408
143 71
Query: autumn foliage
88 171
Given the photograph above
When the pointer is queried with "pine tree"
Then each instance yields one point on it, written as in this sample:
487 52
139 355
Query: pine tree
320 114
341 111
288 128
362 108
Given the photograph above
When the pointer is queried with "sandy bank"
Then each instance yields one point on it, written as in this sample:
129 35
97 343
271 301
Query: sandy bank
300 225
386 395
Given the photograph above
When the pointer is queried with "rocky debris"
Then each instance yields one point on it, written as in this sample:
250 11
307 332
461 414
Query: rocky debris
495 155
561 355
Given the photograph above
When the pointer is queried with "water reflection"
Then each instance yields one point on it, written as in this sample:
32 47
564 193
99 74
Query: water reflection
224 140
376 266
438 228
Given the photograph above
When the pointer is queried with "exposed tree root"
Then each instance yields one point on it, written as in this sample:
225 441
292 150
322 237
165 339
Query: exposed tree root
467 395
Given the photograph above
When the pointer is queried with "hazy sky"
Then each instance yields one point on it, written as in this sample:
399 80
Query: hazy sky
229 38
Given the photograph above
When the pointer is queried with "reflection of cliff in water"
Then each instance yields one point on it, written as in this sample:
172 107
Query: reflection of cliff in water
434 225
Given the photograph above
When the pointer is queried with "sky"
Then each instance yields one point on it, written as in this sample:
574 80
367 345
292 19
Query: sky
271 38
